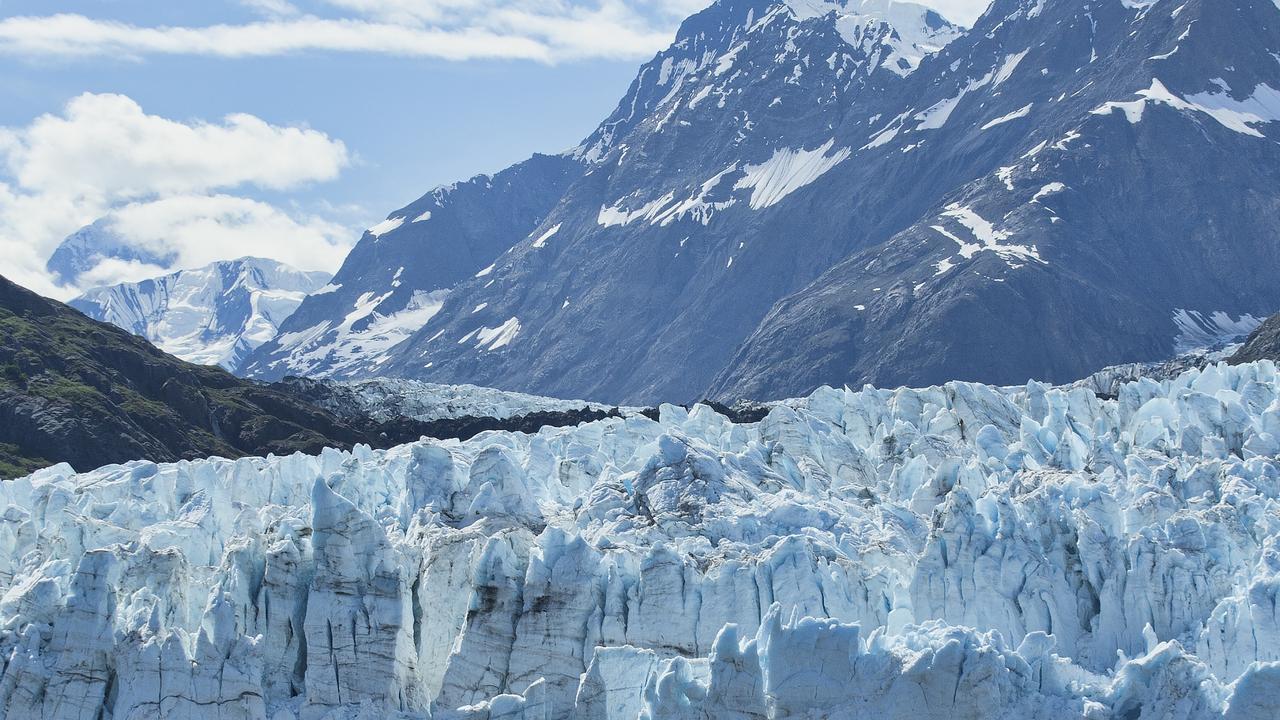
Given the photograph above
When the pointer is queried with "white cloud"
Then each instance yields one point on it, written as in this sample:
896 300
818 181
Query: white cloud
106 143
538 30
271 8
111 271
543 31
76 35
205 228
158 180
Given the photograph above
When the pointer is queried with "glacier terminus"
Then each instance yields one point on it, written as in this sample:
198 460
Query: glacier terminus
961 551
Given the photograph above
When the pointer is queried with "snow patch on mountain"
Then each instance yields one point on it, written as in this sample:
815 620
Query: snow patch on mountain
544 237
787 171
498 337
617 216
956 551
1262 106
387 226
1051 189
364 335
1138 4
986 237
1015 115
699 206
1010 64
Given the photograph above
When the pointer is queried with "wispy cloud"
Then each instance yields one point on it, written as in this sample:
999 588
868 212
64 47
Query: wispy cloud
271 8
548 31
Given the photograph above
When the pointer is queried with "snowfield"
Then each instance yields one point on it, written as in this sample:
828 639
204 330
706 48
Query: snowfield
953 552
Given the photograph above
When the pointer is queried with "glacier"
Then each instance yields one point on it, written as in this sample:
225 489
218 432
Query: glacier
962 551
386 399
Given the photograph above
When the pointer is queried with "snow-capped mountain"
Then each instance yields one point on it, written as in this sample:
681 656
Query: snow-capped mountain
699 104
958 552
86 248
214 315
1089 233
798 193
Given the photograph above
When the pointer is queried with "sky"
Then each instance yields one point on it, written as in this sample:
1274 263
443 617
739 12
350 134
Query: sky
282 128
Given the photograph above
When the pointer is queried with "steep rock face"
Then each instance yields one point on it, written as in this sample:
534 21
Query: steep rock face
1262 344
396 278
799 193
957 551
215 315
1070 220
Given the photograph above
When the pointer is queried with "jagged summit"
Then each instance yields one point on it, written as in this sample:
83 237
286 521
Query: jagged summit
908 30
722 53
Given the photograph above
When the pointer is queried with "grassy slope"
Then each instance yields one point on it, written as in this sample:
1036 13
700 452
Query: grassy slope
76 390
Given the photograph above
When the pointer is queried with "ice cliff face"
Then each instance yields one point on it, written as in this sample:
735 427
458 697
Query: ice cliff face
955 552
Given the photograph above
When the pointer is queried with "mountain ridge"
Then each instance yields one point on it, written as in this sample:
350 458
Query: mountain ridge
706 36
771 208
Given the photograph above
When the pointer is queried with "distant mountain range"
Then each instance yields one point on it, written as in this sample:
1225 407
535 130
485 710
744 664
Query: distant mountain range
214 315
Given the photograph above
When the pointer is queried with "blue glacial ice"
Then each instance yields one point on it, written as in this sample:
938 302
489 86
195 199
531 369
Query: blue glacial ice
953 552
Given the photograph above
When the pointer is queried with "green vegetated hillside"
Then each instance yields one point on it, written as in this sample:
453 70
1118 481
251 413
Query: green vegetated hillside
83 392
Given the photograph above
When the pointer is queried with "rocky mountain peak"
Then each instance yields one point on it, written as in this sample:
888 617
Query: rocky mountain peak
805 192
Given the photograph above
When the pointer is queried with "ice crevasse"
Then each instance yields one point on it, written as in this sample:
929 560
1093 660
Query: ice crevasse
955 552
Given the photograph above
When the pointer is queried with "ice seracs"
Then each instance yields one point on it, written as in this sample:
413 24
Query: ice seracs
955 551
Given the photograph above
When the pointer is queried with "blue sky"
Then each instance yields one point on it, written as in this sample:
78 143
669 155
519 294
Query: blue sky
378 101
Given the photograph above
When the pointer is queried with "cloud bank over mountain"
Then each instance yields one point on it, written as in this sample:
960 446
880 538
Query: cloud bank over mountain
170 187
